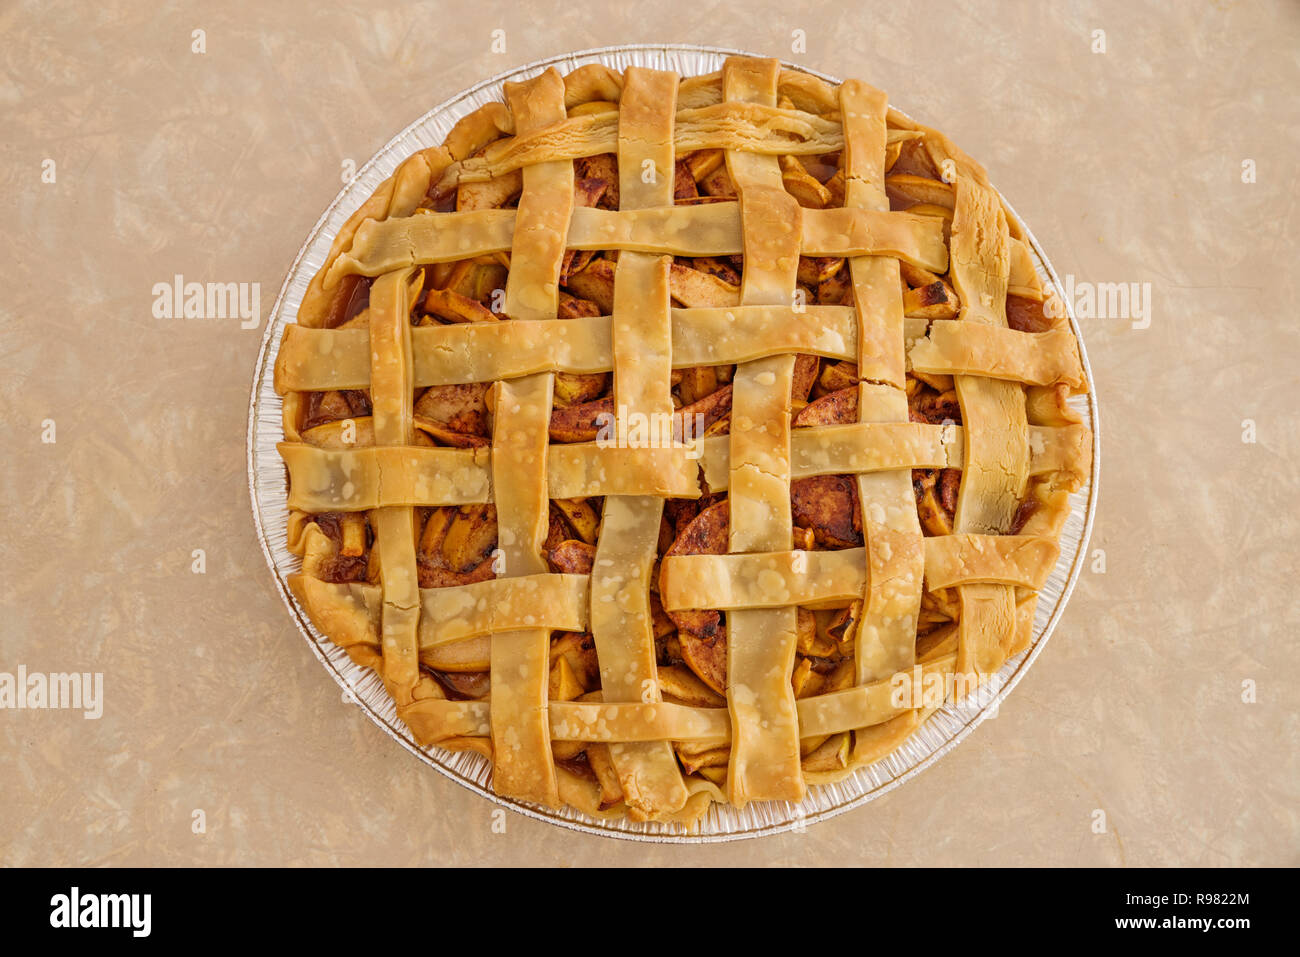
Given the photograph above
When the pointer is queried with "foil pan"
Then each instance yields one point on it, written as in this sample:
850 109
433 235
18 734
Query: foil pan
944 729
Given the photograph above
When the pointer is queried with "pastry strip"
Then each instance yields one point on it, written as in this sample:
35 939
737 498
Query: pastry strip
348 480
552 602
712 229
1066 450
520 660
962 558
885 641
1023 279
996 470
751 127
621 621
765 760
323 359
717 336
871 705
394 526
847 449
642 334
776 579
860 706
625 648
348 612
956 347
846 231
487 351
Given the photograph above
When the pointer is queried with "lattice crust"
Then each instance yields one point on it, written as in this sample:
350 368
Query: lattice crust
503 508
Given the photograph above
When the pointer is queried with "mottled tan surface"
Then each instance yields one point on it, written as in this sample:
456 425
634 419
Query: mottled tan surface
1128 166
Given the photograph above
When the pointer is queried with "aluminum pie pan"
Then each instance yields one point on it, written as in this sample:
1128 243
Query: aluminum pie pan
267 481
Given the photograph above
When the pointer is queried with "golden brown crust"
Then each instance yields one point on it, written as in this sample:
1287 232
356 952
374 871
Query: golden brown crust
640 435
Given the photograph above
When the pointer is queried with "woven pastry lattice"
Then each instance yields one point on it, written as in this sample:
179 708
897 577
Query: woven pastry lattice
942 288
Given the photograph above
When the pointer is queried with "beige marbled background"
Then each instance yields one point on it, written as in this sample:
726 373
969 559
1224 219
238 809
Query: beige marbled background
1128 166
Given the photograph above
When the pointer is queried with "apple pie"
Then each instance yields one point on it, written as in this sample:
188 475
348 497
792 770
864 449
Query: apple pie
656 437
